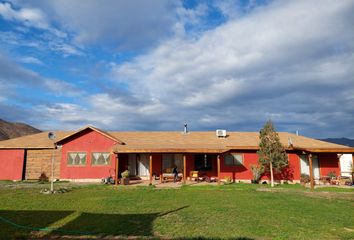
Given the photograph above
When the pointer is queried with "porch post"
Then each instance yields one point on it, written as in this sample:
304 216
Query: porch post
311 172
339 166
218 163
184 168
150 170
353 168
117 169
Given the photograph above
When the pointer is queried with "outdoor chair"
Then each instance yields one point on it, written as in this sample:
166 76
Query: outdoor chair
194 175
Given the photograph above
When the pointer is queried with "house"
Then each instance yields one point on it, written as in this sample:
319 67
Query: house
91 154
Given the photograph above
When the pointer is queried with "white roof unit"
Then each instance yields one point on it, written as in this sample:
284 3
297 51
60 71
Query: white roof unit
221 133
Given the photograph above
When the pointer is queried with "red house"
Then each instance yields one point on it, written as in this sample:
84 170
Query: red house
91 154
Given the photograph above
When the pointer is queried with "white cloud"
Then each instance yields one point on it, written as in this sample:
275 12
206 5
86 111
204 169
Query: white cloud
119 24
30 17
288 60
30 60
261 59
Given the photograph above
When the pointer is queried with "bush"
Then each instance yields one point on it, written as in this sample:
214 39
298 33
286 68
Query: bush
43 178
304 178
125 174
332 175
257 171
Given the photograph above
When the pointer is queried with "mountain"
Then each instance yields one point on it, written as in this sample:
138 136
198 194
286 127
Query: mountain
343 141
12 130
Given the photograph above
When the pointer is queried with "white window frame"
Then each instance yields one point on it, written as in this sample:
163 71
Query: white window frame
101 155
235 161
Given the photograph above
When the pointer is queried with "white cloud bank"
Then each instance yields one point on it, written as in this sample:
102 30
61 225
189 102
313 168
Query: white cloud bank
290 61
283 61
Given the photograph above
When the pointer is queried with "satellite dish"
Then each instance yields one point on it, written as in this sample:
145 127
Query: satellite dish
51 135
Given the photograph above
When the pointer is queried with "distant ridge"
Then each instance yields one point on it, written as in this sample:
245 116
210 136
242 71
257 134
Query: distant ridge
343 141
12 130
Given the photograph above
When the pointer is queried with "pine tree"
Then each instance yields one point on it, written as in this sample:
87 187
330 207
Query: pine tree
271 154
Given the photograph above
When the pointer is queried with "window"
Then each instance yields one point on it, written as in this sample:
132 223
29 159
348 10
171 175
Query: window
76 158
203 162
172 160
233 159
100 158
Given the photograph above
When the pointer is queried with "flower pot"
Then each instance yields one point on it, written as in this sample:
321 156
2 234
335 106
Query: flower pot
125 181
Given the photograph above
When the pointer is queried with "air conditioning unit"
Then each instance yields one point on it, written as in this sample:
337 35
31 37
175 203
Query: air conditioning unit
220 133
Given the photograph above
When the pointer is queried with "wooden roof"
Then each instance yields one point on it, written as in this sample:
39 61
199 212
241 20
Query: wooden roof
205 142
106 134
209 142
34 141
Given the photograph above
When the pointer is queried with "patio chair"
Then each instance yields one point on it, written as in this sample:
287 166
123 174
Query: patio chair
194 175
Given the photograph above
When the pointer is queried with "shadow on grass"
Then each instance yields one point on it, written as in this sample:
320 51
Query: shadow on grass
20 224
74 225
213 238
27 224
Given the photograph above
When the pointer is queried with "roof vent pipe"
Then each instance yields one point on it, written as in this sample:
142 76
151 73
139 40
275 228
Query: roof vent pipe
185 131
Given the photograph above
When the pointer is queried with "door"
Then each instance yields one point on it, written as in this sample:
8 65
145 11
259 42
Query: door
132 164
172 160
143 165
305 166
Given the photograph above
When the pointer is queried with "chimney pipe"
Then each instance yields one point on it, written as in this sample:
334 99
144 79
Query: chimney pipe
185 129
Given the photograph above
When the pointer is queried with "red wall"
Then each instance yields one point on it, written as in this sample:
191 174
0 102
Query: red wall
243 172
156 164
11 164
328 162
87 141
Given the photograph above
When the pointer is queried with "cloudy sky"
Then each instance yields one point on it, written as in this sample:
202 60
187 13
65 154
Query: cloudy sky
155 64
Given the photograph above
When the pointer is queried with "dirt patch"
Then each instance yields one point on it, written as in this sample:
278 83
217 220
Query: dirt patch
328 195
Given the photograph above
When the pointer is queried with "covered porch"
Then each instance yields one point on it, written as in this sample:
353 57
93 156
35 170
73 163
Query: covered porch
157 167
319 163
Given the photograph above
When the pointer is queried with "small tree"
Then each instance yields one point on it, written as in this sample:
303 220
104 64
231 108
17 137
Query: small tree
271 153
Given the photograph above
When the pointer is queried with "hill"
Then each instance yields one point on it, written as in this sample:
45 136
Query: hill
343 141
12 130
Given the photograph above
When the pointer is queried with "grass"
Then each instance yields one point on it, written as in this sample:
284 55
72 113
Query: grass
234 211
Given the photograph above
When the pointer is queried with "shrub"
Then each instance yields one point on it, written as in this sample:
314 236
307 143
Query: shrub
125 174
257 171
304 178
43 178
332 175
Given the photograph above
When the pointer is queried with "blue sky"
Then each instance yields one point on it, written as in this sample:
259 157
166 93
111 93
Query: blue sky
155 64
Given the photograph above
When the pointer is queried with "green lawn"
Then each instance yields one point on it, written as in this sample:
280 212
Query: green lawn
235 211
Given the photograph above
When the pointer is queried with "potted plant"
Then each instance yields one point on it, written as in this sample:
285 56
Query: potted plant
256 173
304 178
228 180
332 175
125 177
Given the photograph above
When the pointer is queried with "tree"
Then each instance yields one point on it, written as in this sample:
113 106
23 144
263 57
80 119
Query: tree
271 154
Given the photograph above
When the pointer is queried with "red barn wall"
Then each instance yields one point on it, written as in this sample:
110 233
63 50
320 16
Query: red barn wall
87 141
328 162
243 172
11 164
